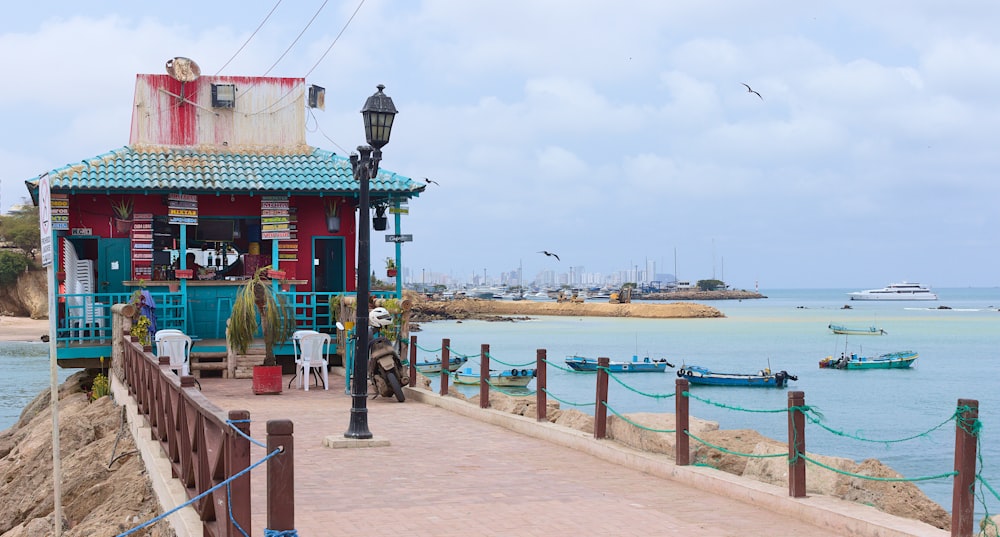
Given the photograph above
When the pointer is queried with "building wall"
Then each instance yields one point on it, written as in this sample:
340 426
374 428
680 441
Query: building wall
269 112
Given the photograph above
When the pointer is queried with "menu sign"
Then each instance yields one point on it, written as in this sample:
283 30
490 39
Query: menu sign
60 211
182 209
274 222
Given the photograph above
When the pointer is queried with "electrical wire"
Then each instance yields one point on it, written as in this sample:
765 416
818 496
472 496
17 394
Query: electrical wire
245 43
287 50
320 129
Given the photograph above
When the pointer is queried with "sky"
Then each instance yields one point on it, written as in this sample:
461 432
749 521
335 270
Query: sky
611 134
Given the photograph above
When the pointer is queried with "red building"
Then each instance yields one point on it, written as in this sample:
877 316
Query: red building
217 171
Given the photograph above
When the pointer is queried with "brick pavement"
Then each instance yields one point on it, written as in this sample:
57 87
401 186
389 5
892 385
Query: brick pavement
446 474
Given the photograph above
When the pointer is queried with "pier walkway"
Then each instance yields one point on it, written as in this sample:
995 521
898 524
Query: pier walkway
456 473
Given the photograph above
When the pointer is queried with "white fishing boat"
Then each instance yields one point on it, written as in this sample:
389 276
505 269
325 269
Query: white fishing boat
896 291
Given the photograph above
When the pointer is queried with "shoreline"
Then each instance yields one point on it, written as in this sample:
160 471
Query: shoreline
23 329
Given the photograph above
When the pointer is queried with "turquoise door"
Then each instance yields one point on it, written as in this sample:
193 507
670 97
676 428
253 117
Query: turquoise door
114 265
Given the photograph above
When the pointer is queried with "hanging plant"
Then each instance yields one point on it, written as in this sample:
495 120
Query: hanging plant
332 216
123 208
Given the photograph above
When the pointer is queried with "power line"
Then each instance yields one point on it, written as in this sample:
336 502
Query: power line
287 50
245 43
335 39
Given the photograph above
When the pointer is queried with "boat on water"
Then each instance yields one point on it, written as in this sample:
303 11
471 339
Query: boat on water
434 366
763 378
896 291
889 360
857 331
508 378
637 365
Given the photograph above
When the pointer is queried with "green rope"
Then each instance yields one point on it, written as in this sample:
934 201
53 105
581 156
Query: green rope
731 407
521 392
612 376
926 433
428 350
563 401
566 369
873 478
499 361
639 425
724 450
460 355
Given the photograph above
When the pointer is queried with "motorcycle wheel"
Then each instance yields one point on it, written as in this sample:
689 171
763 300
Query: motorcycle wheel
396 387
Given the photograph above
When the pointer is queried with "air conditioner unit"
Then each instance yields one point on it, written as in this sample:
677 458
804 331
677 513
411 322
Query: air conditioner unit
317 97
223 95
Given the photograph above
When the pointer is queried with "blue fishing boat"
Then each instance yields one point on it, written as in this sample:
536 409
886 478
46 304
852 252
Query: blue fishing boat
763 378
889 360
637 365
856 331
434 366
508 378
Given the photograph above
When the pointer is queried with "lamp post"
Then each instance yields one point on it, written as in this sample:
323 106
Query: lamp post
378 114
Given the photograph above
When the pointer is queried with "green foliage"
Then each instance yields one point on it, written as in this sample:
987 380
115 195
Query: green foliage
141 330
11 266
100 388
334 308
711 285
277 320
123 208
21 229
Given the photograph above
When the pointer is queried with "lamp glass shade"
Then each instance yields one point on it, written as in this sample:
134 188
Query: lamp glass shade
378 114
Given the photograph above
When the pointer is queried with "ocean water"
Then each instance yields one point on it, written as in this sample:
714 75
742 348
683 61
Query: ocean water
959 358
26 374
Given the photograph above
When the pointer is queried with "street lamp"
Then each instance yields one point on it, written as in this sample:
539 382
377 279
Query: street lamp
378 114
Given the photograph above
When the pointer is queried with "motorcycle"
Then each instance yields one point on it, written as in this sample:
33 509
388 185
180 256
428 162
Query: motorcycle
385 369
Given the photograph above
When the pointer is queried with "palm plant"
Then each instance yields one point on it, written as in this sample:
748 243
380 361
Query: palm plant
258 296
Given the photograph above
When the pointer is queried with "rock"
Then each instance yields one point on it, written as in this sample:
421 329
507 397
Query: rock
900 498
98 496
651 440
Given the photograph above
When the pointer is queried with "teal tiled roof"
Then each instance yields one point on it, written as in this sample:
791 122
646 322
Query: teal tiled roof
302 171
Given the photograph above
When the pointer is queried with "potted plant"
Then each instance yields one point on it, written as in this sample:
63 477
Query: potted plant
380 221
123 214
390 267
258 296
332 216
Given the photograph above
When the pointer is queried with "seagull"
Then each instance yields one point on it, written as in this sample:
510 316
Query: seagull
431 181
751 90
549 253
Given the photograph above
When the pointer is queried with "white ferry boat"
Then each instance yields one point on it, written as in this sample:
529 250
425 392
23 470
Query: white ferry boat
896 291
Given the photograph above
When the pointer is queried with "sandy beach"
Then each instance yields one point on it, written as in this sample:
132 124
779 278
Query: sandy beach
22 328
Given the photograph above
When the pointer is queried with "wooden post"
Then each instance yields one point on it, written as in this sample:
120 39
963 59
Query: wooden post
280 476
445 359
484 375
413 361
962 498
682 442
601 411
541 401
237 460
796 445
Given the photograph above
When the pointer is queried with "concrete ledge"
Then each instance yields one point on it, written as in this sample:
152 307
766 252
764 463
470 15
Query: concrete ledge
840 516
342 442
169 491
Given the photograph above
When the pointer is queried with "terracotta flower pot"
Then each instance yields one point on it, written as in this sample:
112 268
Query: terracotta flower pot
391 273
123 226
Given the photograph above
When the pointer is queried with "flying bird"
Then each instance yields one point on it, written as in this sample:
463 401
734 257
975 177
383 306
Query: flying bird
431 182
751 90
549 254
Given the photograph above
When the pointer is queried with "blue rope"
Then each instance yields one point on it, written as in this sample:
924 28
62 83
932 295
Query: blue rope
244 435
280 533
200 496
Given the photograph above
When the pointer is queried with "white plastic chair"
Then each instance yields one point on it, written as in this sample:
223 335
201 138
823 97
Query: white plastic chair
315 347
176 345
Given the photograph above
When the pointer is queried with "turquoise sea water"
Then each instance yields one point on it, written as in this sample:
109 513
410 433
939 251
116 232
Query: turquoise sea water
26 374
959 358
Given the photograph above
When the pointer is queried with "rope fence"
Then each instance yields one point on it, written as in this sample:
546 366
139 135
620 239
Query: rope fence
965 416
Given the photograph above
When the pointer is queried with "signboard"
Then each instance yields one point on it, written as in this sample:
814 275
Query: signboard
398 238
45 219
399 210
182 209
82 231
